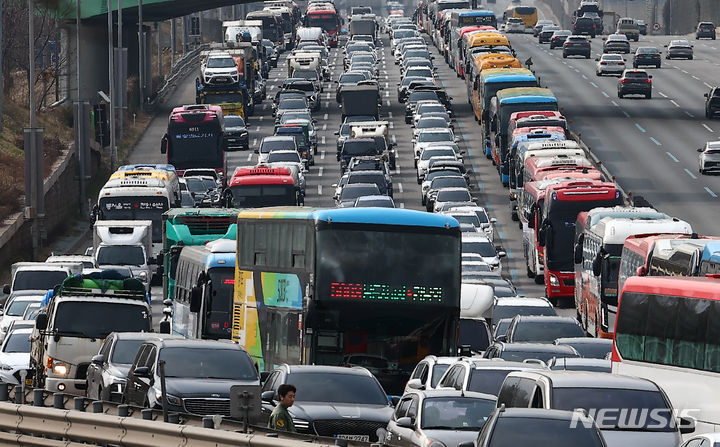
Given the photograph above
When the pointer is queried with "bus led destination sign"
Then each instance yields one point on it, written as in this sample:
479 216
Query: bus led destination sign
384 292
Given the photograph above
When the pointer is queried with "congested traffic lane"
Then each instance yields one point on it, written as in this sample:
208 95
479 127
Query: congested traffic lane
649 145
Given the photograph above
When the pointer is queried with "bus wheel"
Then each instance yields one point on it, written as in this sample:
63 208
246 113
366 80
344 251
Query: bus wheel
539 279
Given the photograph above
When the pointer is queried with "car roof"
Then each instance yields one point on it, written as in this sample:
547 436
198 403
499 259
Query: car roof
524 301
583 340
452 392
591 379
500 364
279 138
539 413
538 347
143 336
309 369
195 343
546 319
579 361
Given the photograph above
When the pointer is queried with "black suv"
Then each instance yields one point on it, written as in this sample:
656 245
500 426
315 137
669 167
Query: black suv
576 46
334 401
712 102
635 82
647 56
705 30
585 25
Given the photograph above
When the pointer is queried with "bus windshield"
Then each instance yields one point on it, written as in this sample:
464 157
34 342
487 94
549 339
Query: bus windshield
195 145
254 196
136 208
328 22
490 89
508 109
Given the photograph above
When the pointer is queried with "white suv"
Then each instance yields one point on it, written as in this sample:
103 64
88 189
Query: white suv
220 69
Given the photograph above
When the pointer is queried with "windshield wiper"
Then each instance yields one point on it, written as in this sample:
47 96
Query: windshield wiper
447 427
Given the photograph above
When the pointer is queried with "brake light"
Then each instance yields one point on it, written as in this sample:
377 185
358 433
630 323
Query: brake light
623 80
649 81
603 63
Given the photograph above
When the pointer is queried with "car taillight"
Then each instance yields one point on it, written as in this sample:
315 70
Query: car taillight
621 63
593 26
603 63
649 81
623 80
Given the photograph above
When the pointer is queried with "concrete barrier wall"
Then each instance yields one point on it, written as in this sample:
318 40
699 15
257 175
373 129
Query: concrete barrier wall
682 16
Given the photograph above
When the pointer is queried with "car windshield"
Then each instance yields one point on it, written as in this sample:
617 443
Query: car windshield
612 57
17 342
37 279
221 62
296 116
124 351
274 145
367 177
500 312
632 404
204 363
234 121
647 50
455 413
121 254
516 431
429 123
471 219
355 191
489 381
337 388
430 153
545 331
351 78
427 137
283 156
292 103
484 248
17 307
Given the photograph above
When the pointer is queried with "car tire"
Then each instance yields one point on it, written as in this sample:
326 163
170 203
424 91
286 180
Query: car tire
564 56
648 95
657 66
620 95
635 65
514 216
690 58
701 171
587 56
539 279
598 73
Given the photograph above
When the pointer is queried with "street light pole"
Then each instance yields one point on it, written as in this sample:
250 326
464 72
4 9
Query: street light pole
141 53
1 67
120 102
111 77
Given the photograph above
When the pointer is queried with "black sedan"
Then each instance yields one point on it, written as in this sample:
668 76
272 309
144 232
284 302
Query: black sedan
344 403
646 56
712 103
616 43
236 132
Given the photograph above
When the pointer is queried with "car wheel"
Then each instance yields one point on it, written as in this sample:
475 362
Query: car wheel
657 66
564 56
539 279
690 58
514 216
598 73
620 95
648 95
635 65
530 274
701 171
587 56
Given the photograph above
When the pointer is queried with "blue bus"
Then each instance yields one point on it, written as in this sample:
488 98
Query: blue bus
329 286
203 292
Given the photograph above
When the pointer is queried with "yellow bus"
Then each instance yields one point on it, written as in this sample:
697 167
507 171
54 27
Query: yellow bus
528 14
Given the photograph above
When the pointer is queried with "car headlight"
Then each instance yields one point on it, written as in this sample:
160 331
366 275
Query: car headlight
142 276
60 368
554 281
7 368
172 400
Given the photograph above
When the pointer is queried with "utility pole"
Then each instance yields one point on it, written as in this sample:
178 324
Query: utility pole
1 67
111 77
80 113
141 54
120 70
173 41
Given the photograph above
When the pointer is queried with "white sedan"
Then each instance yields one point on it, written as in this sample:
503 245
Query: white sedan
609 64
15 355
428 137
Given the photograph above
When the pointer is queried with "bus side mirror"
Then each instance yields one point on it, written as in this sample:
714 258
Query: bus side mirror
541 234
641 271
597 264
164 144
195 299
578 253
41 321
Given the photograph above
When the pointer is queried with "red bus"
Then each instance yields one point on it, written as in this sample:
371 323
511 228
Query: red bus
563 203
537 167
195 139
261 186
666 331
328 20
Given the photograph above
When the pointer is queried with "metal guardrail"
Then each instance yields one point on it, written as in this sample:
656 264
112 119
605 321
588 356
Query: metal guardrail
600 166
179 70
57 419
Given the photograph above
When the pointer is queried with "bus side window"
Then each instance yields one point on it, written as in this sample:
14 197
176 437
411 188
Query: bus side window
260 244
299 239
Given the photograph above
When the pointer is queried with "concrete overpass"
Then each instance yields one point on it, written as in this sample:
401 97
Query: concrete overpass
153 10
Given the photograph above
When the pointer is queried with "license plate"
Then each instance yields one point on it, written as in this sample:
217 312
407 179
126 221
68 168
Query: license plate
364 438
221 79
28 382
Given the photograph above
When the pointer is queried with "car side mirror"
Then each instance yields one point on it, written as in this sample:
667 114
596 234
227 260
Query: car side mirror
164 144
142 371
98 359
406 422
493 220
6 289
501 338
686 424
665 46
268 396
597 59
257 151
415 384
41 321
699 149
705 95
336 133
501 254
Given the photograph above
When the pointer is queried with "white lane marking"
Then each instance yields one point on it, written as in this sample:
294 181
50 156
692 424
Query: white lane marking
584 77
260 118
696 78
250 157
690 174
319 190
397 168
689 114
401 204
322 155
627 115
322 139
708 128
392 125
594 85
264 106
257 128
662 94
386 85
640 128
674 103
707 85
254 142
390 115
673 157
400 188
657 143
392 137
327 104
324 126
684 71
388 103
320 171
387 93
605 94
710 192
615 104
325 116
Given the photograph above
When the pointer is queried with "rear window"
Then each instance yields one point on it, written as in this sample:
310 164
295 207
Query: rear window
636 74
487 380
646 50
516 431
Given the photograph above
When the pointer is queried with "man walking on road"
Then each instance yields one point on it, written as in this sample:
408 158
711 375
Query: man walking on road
280 417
